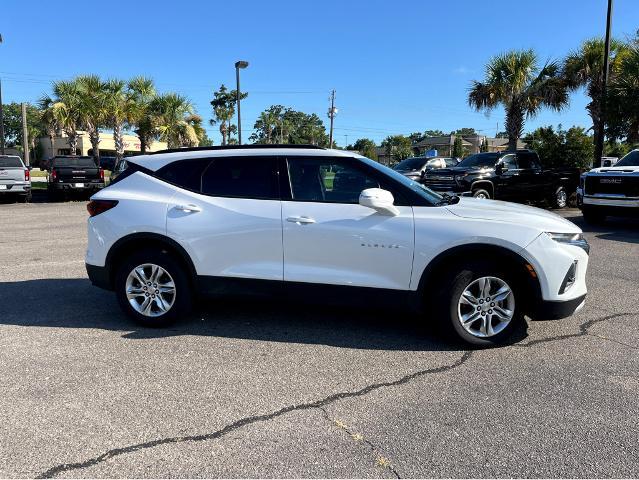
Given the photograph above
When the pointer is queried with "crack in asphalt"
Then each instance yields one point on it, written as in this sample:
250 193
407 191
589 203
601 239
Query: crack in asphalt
250 420
583 331
375 449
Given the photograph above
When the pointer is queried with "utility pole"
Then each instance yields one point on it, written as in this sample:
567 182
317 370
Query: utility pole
602 121
25 135
1 116
331 114
238 96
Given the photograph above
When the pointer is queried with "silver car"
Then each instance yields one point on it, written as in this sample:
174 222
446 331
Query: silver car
15 179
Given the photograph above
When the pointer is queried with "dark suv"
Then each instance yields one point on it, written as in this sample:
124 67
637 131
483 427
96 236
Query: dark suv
74 174
508 175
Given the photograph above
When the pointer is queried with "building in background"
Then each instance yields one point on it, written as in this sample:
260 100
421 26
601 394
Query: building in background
107 145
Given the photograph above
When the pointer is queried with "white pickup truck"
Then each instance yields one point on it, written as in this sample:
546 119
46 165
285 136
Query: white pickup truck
15 178
610 190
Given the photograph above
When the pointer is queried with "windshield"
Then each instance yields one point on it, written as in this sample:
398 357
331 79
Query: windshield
10 162
74 162
480 160
418 188
630 160
414 163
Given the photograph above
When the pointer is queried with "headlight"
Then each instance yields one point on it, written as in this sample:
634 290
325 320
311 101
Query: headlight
576 239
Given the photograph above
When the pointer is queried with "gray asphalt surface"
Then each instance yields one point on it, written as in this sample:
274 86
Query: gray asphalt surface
250 389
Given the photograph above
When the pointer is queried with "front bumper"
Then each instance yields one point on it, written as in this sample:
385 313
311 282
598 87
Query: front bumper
554 310
99 276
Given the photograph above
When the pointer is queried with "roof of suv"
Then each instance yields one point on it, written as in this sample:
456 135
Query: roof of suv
155 161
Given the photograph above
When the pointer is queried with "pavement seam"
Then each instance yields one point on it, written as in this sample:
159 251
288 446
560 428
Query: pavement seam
382 461
583 331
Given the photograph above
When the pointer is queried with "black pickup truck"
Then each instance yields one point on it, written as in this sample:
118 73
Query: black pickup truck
513 176
73 174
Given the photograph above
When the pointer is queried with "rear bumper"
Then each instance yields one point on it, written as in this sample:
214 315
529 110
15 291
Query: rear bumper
19 188
99 276
72 186
554 310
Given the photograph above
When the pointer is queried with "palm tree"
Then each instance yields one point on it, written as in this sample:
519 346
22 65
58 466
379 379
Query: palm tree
92 109
516 81
64 107
175 120
223 104
50 124
624 93
584 68
269 124
143 92
121 110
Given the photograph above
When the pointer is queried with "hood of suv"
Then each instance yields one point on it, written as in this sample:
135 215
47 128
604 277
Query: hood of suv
495 210
615 170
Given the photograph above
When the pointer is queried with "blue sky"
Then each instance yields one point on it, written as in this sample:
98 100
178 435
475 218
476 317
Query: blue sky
397 66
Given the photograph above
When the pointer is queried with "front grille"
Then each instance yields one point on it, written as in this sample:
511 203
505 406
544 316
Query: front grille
612 185
436 182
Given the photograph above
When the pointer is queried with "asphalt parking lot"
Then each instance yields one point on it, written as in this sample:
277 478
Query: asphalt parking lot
252 389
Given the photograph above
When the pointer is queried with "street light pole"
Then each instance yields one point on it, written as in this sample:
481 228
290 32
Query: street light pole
602 121
238 65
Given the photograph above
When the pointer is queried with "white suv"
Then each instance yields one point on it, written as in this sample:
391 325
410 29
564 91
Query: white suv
305 220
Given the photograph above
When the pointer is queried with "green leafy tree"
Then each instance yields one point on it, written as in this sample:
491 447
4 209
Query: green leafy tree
465 131
517 81
397 147
92 108
121 111
458 148
176 124
13 125
223 104
144 121
434 133
285 125
561 148
584 68
622 110
65 107
366 147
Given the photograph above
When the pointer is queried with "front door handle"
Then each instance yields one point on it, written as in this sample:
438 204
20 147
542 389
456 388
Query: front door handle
301 220
190 208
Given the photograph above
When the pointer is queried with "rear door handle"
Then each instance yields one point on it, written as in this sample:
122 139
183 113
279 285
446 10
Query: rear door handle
301 220
190 208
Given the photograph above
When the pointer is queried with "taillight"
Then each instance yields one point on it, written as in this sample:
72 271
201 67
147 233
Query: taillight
27 176
54 175
102 174
96 207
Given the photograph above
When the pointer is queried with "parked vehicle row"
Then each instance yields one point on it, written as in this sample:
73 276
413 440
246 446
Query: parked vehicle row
15 178
326 225
610 190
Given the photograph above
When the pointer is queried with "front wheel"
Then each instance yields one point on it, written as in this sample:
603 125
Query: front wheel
480 305
560 198
481 193
153 288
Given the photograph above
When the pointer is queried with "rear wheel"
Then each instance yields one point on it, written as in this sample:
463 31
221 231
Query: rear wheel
479 304
481 193
153 288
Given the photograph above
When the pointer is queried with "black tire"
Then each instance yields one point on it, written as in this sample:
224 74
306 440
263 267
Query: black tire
481 193
559 198
183 302
452 287
26 198
593 216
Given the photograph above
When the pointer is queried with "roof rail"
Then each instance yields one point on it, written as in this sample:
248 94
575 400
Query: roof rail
236 147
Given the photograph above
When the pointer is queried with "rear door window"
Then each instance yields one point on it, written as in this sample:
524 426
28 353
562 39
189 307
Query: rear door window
185 174
241 177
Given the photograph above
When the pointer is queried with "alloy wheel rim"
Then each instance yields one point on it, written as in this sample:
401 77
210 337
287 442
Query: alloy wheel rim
150 290
481 195
486 307
561 198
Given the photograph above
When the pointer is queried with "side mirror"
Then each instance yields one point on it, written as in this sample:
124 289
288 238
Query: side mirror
500 168
380 200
